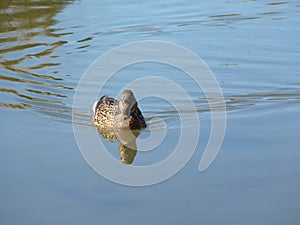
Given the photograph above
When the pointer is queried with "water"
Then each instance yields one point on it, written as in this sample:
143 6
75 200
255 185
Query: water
253 49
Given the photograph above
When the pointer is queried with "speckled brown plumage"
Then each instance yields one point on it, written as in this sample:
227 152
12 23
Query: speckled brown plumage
110 113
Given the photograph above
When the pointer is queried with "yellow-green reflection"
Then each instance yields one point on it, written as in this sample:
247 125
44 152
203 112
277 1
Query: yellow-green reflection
127 140
28 14
29 68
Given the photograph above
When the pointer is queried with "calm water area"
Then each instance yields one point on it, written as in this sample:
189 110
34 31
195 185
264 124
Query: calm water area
253 49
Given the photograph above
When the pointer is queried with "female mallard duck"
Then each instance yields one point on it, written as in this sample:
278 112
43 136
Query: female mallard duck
110 113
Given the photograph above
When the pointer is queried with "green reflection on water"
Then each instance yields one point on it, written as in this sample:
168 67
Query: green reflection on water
29 70
127 139
26 15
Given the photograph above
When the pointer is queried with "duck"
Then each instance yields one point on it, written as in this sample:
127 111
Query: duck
111 114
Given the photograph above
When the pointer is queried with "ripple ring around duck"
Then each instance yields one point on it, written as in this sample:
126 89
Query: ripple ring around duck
122 56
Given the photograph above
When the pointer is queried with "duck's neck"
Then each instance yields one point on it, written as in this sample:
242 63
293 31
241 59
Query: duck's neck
127 104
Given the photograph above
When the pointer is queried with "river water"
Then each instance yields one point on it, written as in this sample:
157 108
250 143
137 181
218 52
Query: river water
253 49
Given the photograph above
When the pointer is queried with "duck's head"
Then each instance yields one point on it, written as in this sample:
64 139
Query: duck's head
127 103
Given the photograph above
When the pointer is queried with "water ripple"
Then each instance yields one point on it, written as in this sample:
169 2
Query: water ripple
28 44
36 45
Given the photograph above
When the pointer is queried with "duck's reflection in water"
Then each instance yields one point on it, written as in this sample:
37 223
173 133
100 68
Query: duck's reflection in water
126 138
